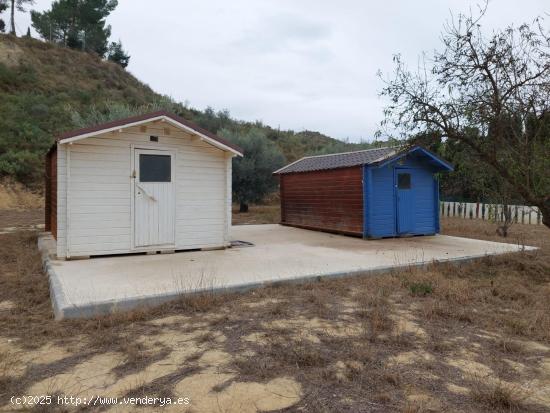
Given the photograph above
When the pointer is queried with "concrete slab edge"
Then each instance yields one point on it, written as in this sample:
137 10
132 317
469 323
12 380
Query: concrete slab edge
59 300
64 310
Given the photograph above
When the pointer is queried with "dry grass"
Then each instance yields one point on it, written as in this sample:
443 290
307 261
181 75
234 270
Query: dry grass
496 396
257 214
359 344
13 196
12 220
507 345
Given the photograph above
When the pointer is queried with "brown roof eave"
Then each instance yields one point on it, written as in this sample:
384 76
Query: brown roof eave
318 170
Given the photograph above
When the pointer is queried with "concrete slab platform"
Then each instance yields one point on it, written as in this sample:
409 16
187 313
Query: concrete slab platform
100 285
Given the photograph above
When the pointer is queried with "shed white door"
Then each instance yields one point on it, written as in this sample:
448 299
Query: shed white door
154 198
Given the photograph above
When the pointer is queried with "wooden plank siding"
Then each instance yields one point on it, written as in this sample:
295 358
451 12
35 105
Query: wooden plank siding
53 195
330 200
48 192
61 200
95 191
50 219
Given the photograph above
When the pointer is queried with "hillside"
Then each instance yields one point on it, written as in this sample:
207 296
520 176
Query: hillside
42 86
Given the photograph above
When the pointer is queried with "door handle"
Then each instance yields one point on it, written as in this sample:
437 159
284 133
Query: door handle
145 192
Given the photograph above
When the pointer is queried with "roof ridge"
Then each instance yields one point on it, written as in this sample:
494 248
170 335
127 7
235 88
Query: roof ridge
345 153
373 156
339 160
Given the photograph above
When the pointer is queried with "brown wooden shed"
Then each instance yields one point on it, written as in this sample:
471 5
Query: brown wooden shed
373 193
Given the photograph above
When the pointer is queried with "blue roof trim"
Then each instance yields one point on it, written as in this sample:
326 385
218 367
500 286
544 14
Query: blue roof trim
440 162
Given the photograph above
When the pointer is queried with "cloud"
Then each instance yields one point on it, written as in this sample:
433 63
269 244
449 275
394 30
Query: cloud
285 36
305 64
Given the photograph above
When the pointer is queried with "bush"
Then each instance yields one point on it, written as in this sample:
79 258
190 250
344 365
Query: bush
253 174
421 288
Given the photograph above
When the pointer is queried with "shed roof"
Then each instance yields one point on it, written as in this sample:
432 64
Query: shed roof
177 121
338 160
375 157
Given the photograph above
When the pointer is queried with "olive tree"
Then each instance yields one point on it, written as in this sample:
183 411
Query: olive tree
253 174
489 92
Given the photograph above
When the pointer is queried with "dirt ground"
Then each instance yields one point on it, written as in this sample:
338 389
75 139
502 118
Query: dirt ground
14 196
12 220
473 338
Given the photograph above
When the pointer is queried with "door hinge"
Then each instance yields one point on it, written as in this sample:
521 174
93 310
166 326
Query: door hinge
133 174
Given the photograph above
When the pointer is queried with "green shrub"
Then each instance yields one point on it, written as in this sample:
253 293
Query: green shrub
421 288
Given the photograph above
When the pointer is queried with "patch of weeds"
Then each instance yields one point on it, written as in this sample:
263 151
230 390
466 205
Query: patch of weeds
401 339
138 357
382 397
378 322
207 337
507 345
446 310
498 396
258 367
278 310
203 301
440 346
413 407
303 355
361 352
374 309
464 315
392 377
421 289
517 326
353 371
224 319
8 362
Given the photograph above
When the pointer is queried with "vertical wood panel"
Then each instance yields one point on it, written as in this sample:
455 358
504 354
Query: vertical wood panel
48 192
61 200
329 200
53 194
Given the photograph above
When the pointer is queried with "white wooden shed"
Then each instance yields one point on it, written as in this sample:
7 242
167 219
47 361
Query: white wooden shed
153 182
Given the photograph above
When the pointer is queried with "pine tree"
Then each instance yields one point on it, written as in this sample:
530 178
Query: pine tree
118 55
76 24
19 5
3 7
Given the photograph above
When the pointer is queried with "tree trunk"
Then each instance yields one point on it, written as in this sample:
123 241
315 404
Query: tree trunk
12 29
243 207
544 209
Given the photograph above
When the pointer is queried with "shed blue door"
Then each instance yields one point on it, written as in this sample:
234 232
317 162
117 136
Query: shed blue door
405 191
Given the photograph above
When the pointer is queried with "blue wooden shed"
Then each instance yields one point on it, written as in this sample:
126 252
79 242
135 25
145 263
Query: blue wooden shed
374 193
403 194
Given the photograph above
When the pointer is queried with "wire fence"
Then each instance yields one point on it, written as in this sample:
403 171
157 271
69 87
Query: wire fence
491 212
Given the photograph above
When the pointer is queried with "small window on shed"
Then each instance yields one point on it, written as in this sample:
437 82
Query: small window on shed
404 181
155 168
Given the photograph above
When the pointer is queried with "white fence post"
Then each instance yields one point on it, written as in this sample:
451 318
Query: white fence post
520 214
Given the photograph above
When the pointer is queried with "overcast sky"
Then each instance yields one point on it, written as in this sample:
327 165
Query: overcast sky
307 64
